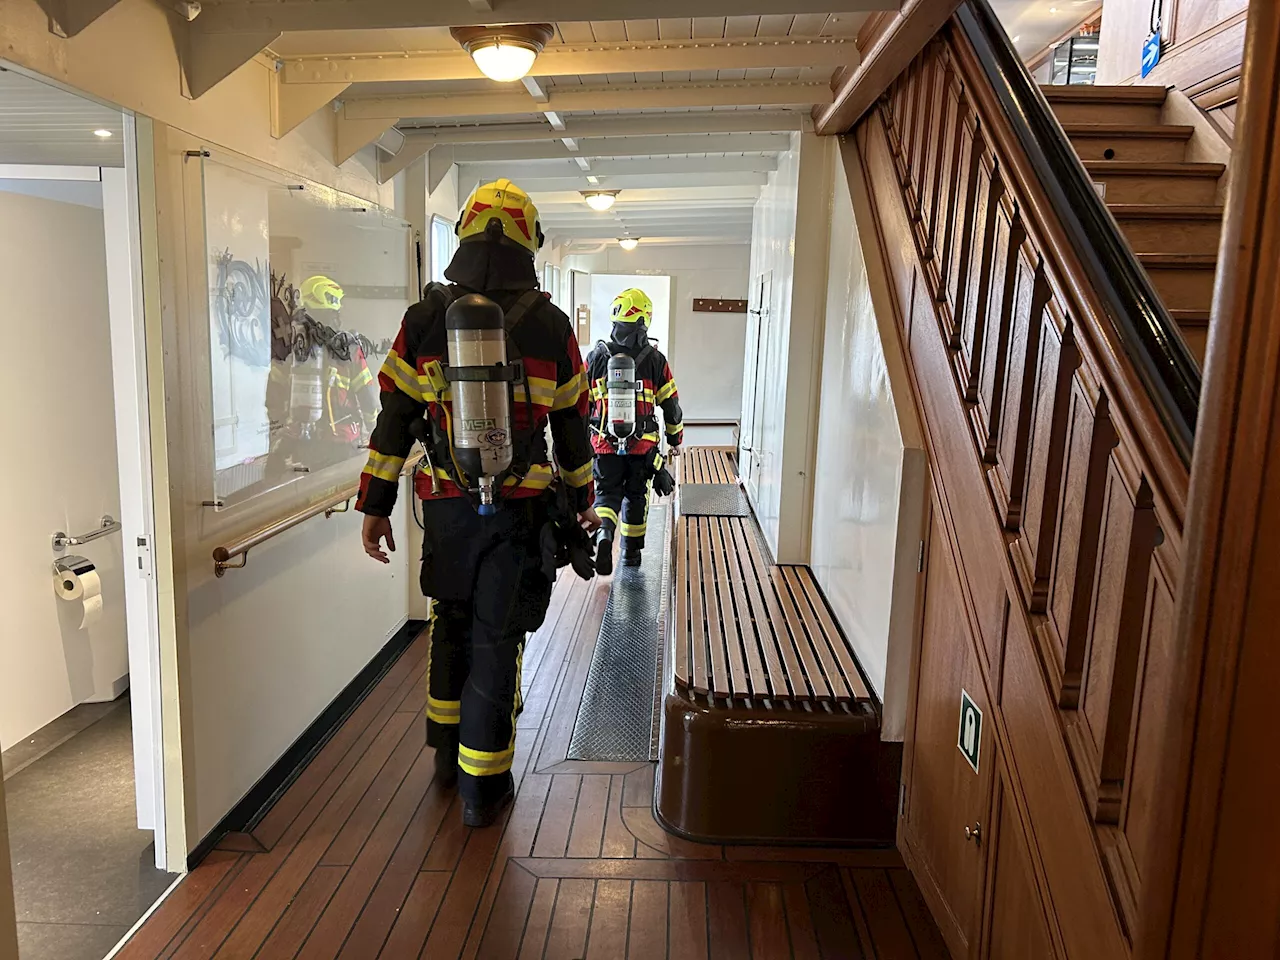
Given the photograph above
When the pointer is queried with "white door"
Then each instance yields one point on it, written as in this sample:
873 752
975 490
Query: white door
753 387
75 298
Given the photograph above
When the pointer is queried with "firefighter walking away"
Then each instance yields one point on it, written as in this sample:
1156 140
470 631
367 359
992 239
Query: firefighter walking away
479 370
630 379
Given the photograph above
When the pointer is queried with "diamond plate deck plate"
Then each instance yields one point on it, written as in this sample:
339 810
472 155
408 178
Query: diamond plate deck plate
713 500
616 719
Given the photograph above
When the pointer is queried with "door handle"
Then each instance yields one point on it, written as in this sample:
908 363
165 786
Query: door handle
974 833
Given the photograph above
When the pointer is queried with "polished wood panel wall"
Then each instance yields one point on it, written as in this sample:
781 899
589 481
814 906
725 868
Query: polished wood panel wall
1203 50
1055 545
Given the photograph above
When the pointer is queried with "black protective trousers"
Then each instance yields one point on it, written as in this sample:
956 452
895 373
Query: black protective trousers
622 495
486 577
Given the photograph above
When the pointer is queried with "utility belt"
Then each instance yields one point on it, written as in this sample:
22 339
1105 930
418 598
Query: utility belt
528 447
646 424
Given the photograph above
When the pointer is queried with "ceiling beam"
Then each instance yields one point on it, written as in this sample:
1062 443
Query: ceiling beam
209 58
691 194
647 181
736 121
669 214
625 147
554 169
292 103
630 96
673 230
69 17
238 16
579 59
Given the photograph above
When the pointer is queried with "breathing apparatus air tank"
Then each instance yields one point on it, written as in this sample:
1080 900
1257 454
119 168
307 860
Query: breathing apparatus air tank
480 378
620 381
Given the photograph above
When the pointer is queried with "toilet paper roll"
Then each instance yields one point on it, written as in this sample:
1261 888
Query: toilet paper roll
92 609
79 580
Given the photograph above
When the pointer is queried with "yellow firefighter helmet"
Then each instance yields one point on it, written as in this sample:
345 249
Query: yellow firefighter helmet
321 293
505 204
632 306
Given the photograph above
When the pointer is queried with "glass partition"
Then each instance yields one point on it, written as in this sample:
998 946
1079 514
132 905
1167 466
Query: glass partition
307 287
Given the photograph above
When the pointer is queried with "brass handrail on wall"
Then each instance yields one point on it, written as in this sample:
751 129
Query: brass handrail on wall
339 502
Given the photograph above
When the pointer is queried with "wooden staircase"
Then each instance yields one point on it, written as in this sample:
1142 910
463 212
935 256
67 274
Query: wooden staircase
1166 205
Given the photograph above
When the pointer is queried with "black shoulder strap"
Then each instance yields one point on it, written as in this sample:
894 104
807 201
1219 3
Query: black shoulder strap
520 309
643 355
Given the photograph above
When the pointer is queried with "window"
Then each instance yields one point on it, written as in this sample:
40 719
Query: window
443 246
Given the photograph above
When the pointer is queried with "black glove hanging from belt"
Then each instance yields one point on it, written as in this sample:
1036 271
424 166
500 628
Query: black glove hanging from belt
564 542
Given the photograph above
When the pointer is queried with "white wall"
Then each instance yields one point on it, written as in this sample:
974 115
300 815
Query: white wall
62 470
870 464
263 650
705 349
789 248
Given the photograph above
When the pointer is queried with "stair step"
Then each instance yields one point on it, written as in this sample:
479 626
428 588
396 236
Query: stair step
1194 327
1124 141
1183 280
1085 104
1157 183
1156 228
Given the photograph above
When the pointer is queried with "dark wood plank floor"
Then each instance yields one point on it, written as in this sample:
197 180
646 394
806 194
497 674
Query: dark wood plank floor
365 857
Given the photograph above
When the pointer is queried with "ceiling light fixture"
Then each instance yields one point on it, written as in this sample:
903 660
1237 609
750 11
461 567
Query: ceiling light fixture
103 133
628 243
600 200
504 53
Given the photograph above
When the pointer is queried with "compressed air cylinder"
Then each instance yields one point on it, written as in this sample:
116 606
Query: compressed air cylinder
306 388
477 341
620 381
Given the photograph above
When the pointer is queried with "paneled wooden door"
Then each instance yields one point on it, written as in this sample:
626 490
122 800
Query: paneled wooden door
944 822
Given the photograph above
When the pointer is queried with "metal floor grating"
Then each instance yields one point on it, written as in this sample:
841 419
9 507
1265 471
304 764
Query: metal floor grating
617 716
713 500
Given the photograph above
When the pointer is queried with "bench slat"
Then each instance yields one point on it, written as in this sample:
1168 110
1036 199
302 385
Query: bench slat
799 681
701 681
813 634
781 681
799 637
719 668
834 637
749 624
734 634
680 573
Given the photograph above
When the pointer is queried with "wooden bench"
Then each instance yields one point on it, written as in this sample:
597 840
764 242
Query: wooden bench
770 733
708 465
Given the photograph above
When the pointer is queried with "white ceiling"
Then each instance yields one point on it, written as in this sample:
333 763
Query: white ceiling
1034 24
40 123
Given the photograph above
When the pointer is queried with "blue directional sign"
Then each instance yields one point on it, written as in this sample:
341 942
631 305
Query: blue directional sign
1150 53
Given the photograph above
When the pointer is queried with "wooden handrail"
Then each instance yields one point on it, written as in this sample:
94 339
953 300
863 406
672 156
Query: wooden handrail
225 553
893 47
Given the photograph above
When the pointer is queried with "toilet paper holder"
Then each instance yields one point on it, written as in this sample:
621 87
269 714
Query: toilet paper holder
108 525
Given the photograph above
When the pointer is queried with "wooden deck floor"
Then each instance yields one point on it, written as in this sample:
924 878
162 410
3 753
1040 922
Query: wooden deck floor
365 857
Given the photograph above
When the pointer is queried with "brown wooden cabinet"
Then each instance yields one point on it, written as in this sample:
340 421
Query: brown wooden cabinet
943 827
1015 925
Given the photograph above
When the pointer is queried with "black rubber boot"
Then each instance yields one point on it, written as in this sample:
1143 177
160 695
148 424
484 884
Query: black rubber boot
630 557
447 767
479 815
604 553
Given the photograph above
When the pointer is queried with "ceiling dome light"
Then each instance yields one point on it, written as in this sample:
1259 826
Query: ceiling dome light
600 200
504 53
103 133
628 243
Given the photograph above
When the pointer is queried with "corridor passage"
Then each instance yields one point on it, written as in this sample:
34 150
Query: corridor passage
365 857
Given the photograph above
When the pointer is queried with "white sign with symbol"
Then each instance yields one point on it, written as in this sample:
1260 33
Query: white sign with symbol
970 742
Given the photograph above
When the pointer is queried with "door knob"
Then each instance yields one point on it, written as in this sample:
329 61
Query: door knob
973 833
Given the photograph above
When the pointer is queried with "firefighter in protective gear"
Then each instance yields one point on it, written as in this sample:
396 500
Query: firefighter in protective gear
625 466
484 573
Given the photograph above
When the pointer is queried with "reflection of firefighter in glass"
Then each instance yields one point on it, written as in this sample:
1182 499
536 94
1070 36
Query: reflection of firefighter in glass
630 378
321 398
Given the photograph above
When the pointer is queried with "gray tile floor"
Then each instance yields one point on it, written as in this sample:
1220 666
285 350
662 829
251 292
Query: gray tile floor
83 872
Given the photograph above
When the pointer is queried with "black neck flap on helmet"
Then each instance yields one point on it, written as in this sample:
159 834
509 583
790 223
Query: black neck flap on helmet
631 336
492 261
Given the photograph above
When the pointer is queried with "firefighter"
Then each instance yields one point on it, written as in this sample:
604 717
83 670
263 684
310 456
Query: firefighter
628 453
483 562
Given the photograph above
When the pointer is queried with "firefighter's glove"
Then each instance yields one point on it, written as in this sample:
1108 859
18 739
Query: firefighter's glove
663 483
